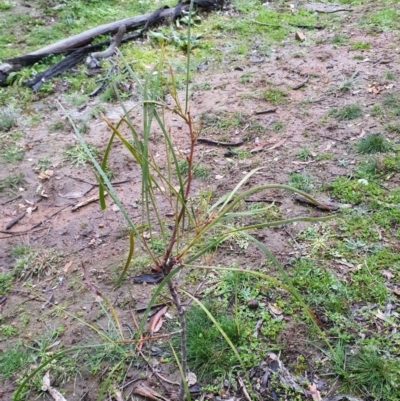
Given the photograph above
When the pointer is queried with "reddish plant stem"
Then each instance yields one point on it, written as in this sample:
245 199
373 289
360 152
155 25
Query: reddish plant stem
182 321
167 264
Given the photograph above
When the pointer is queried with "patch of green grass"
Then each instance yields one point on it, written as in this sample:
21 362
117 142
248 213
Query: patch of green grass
57 126
359 45
12 182
43 163
304 154
346 84
375 375
275 95
391 103
325 156
199 170
246 78
6 5
321 286
8 330
385 19
31 261
354 191
8 118
5 282
367 169
277 126
12 359
12 154
373 143
391 163
77 155
376 111
339 39
393 128
208 353
301 181
346 113
389 76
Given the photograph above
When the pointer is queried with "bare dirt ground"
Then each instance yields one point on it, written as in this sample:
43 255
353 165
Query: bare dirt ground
98 239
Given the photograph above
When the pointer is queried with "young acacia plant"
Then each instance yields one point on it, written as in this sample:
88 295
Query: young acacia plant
196 219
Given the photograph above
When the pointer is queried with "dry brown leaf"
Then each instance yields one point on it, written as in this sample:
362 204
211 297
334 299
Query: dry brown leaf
315 394
154 324
274 309
67 266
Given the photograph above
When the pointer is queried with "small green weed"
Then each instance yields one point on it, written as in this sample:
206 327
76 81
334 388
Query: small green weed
375 375
208 352
6 5
373 143
391 102
389 76
5 282
8 118
13 154
301 181
57 126
77 155
393 127
350 112
12 359
8 330
12 182
246 78
31 262
275 96
346 84
43 163
359 45
367 169
304 154
199 170
277 126
339 39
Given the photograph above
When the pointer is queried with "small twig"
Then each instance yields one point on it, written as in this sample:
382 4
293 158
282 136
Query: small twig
36 225
15 220
219 143
265 111
300 85
86 202
244 389
103 83
263 200
11 200
331 11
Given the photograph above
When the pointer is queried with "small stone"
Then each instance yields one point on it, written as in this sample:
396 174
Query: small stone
252 304
300 36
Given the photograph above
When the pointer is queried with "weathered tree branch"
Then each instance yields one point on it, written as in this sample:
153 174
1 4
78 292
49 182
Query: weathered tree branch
78 46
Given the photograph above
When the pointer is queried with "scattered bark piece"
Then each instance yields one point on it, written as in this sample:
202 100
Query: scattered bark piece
300 85
14 221
318 204
219 143
267 111
300 36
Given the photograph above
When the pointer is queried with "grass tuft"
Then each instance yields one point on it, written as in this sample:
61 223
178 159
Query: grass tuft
349 112
373 143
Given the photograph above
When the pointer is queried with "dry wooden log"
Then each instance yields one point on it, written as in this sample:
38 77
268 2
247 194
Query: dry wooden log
78 46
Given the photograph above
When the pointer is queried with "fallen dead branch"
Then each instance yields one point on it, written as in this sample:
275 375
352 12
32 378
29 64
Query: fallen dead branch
319 205
86 202
77 47
219 143
35 225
